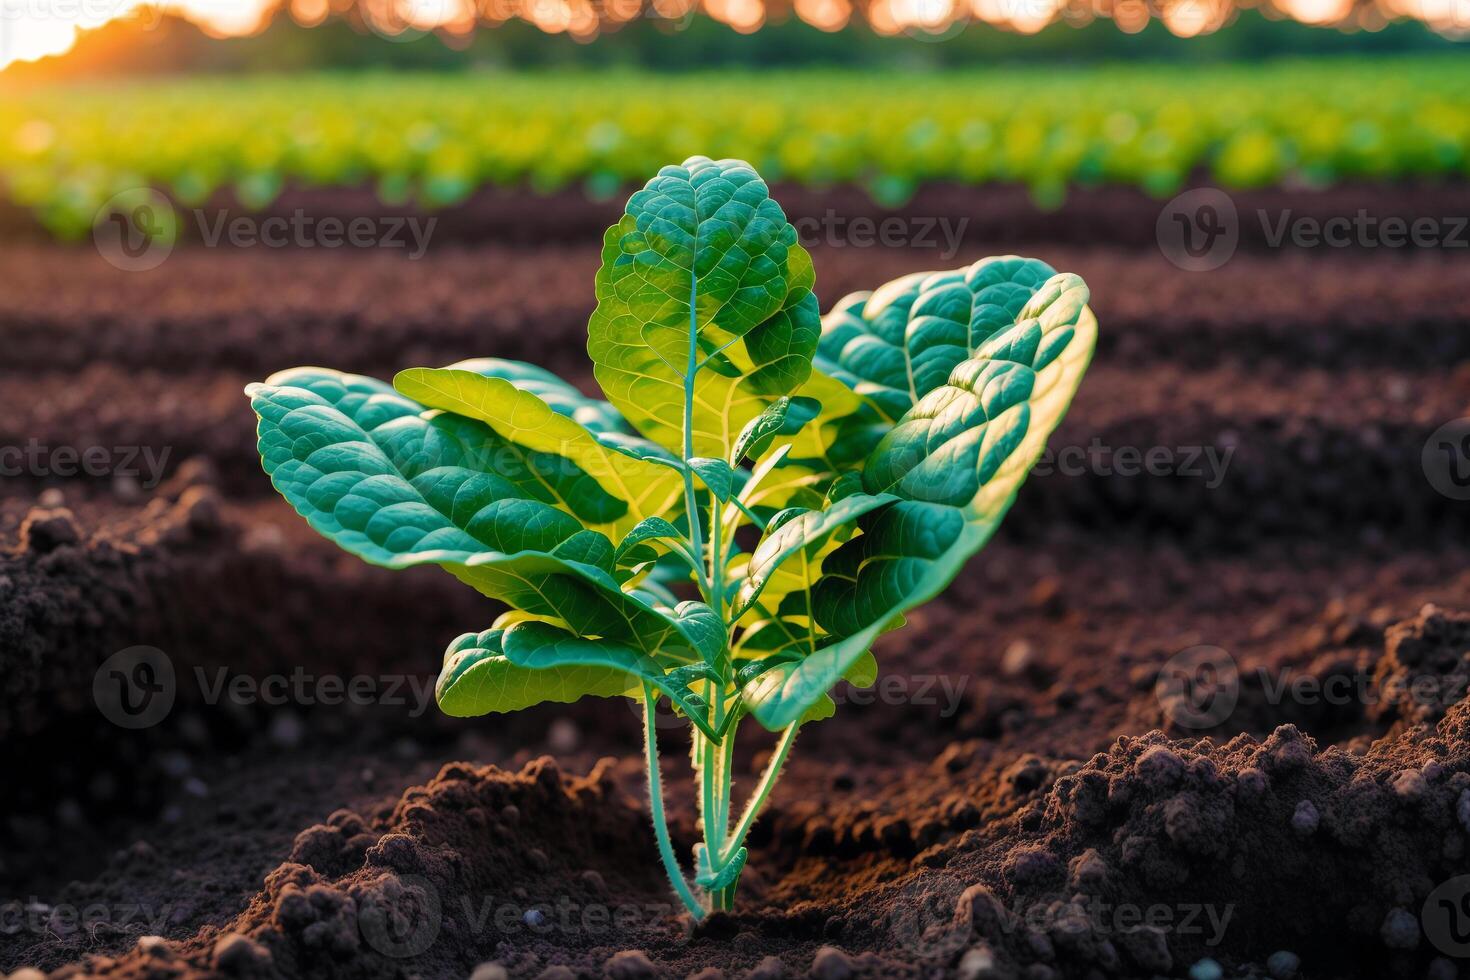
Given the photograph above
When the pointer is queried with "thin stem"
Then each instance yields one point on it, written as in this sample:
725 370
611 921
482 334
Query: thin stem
758 798
656 806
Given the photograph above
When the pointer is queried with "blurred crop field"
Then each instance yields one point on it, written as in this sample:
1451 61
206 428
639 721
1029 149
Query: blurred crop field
433 139
1290 503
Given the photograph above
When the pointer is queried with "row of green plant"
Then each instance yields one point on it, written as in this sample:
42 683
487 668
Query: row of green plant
435 139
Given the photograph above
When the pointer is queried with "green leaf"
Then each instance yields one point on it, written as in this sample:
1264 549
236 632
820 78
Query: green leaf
648 529
894 345
716 474
704 628
369 469
478 679
796 532
702 279
957 458
523 417
784 416
542 646
898 343
710 880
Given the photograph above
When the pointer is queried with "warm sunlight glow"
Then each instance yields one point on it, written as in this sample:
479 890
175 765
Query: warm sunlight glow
31 29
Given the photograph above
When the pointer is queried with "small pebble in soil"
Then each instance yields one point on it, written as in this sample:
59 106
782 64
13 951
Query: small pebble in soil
978 963
533 918
1283 964
831 963
630 964
46 530
1408 784
1160 767
286 730
1441 969
1304 821
489 971
1206 969
769 968
156 947
563 737
240 955
1400 930
1018 656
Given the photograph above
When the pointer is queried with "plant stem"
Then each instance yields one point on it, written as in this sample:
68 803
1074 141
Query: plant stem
762 792
656 807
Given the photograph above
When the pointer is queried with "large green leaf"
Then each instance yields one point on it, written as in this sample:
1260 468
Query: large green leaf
545 415
477 679
398 486
542 646
894 345
702 278
957 460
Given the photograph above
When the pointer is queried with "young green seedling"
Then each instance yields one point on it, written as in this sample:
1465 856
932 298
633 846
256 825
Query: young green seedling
873 451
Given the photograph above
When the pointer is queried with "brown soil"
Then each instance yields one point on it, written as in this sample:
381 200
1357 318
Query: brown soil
1028 793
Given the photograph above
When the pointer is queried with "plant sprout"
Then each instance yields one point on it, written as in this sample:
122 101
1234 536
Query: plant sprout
867 455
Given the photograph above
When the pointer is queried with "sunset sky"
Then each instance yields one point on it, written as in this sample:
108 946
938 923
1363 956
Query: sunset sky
31 29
